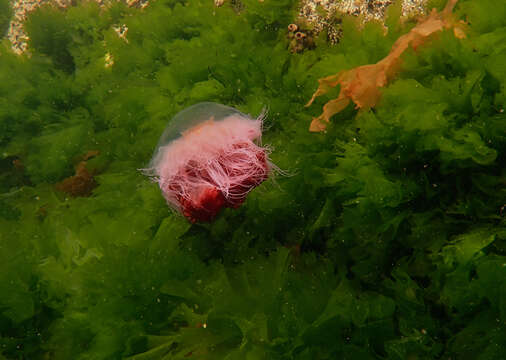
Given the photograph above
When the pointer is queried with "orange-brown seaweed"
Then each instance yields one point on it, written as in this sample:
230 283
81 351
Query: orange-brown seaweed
83 182
362 84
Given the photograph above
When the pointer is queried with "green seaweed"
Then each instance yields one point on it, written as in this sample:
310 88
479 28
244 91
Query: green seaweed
384 240
5 16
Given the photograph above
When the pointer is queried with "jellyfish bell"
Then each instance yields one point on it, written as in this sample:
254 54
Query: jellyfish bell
209 157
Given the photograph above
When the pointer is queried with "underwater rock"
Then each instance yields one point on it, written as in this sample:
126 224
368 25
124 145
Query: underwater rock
22 8
322 15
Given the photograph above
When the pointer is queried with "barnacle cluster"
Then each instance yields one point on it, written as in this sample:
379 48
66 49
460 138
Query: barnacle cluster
300 39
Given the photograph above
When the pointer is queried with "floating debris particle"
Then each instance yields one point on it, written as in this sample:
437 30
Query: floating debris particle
109 61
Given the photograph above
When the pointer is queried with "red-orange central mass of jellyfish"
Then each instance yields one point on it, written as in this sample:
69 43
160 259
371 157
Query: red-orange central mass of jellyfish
204 202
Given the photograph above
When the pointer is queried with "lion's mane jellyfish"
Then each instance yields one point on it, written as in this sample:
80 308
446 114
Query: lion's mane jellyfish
209 157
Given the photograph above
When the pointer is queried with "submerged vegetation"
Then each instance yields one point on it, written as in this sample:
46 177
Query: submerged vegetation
387 241
5 16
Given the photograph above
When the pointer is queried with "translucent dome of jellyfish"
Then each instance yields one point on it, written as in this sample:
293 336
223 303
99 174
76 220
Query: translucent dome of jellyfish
209 157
